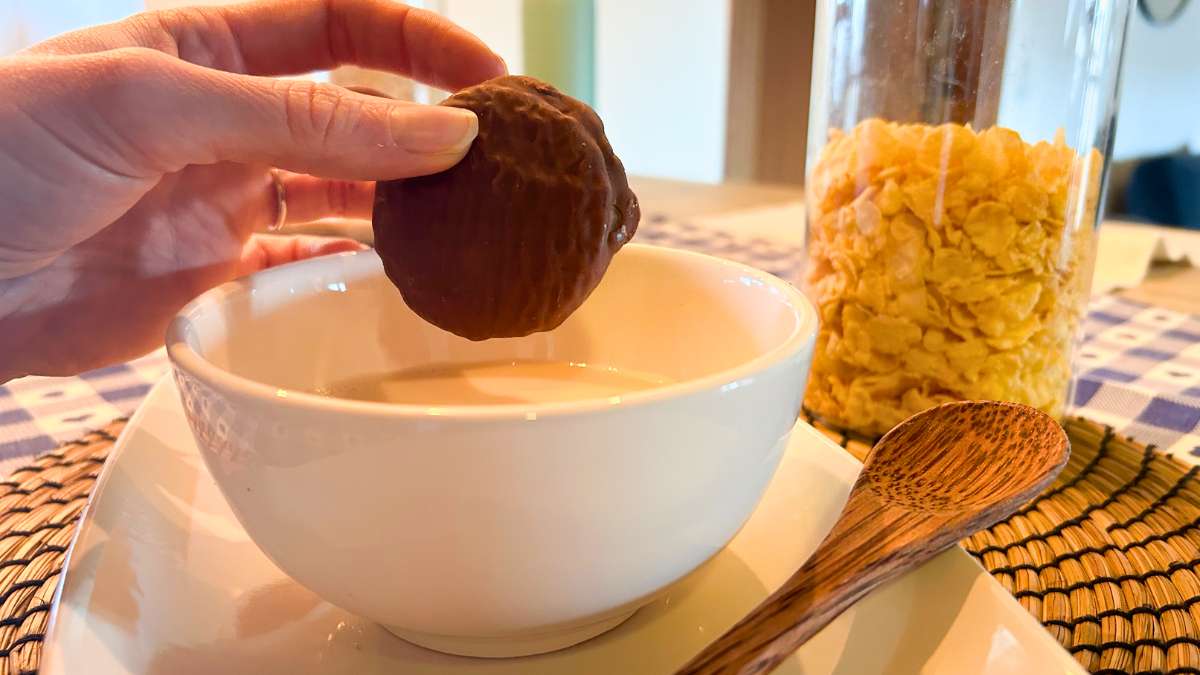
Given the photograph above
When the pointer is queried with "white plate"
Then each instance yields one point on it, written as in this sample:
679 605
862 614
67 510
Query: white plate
163 580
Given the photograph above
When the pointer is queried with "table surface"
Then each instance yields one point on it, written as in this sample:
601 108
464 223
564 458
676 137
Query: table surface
680 199
687 200
1172 285
1140 372
1132 353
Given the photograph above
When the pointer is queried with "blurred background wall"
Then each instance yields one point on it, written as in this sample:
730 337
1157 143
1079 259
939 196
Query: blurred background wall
711 90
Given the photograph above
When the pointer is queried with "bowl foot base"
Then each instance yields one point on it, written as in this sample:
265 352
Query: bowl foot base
526 644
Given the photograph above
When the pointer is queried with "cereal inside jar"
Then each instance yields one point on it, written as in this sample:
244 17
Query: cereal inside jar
946 263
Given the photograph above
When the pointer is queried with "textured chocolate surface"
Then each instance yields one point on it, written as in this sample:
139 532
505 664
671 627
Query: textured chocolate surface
514 237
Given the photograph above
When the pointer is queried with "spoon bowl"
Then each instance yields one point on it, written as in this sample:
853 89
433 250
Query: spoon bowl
965 455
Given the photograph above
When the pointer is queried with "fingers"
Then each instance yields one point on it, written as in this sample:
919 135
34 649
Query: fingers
286 37
270 250
170 114
310 198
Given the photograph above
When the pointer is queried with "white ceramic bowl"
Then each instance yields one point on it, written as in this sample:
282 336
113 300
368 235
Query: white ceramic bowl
494 530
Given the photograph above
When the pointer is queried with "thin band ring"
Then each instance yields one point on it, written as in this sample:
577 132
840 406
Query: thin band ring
280 201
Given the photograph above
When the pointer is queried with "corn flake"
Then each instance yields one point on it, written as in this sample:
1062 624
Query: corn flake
991 227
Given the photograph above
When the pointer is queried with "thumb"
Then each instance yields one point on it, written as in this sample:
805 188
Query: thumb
195 115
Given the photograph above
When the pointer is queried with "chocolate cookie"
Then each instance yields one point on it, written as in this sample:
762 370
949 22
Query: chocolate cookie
514 237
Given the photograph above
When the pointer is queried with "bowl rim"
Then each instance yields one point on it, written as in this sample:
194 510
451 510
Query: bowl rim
365 263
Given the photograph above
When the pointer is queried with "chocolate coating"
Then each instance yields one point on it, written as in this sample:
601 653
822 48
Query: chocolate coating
512 239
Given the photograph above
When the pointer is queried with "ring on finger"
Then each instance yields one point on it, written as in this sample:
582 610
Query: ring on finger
280 201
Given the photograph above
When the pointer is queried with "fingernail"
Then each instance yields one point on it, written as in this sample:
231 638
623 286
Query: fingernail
433 129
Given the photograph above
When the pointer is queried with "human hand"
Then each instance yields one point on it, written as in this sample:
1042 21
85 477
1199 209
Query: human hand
135 159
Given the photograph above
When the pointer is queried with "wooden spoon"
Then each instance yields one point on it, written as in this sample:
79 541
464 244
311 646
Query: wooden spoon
938 477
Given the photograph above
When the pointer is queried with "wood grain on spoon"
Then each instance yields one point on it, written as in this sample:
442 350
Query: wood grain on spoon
938 477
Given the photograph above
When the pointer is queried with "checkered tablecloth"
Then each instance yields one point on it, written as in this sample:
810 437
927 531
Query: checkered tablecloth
1140 366
38 413
1140 373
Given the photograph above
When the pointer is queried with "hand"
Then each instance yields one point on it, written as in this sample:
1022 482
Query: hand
135 157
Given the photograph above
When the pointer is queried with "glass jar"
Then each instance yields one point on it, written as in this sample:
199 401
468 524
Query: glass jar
958 151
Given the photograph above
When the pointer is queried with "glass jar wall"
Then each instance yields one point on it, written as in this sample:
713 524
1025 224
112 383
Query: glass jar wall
957 155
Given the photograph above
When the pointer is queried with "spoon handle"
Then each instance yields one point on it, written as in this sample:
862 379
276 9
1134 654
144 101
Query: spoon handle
868 546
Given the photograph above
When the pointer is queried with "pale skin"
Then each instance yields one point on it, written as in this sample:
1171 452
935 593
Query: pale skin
135 159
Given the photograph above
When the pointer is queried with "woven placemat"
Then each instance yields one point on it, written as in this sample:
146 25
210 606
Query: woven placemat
39 507
1106 559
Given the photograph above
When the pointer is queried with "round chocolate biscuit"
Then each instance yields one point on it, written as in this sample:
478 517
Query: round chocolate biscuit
512 239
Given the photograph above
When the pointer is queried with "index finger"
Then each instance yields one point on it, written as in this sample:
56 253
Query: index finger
289 37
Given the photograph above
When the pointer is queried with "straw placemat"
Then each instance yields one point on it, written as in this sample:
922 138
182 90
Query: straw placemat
1106 559
39 508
